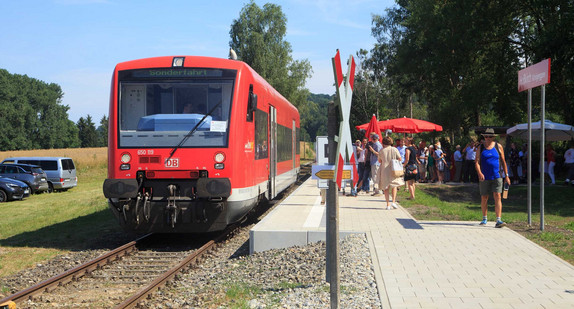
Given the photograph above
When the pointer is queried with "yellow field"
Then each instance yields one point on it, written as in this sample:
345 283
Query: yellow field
84 158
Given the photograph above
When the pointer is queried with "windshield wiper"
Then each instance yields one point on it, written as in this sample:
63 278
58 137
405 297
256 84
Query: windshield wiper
188 135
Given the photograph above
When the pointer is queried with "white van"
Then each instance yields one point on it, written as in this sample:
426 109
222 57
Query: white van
61 171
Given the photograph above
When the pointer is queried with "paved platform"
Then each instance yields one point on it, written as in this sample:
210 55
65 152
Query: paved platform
429 264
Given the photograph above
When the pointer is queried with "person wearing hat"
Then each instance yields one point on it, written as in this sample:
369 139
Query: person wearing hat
489 164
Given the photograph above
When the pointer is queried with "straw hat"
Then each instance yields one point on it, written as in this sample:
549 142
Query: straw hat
488 132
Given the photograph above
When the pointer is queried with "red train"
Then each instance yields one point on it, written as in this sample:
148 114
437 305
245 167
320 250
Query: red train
195 143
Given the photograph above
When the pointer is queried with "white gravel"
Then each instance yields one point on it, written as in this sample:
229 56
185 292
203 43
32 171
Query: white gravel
280 278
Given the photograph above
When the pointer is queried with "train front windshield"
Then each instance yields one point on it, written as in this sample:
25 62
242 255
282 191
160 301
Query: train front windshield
159 107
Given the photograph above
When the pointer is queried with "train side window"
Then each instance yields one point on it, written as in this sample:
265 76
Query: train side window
251 104
284 143
261 132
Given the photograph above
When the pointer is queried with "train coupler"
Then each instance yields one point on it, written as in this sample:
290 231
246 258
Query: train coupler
171 207
147 206
136 210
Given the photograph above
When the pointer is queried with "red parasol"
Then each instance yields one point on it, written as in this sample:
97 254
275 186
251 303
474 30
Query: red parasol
372 126
408 125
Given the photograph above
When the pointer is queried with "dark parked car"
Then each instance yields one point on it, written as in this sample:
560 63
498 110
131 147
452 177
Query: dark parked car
11 189
32 175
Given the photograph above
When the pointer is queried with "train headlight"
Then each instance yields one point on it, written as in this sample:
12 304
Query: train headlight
177 62
219 157
126 158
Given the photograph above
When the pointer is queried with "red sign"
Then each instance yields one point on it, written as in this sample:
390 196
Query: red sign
534 75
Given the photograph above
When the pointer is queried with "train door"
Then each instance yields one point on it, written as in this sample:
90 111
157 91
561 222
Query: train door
272 150
294 144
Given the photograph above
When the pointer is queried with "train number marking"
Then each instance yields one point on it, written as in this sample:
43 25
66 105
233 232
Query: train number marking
172 163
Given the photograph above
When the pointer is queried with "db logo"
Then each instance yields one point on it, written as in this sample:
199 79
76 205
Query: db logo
172 163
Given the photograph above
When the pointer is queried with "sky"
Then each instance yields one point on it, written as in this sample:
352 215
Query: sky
77 43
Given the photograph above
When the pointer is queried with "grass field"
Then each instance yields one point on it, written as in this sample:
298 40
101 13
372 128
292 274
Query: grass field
45 225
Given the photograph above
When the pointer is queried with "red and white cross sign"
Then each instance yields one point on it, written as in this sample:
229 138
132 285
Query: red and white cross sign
344 96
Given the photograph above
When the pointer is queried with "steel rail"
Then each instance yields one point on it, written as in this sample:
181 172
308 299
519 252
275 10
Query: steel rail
74 273
171 273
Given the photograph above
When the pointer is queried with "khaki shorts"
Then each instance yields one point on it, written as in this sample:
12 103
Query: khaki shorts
490 186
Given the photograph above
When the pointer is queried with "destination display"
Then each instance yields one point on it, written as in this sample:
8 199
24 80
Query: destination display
175 73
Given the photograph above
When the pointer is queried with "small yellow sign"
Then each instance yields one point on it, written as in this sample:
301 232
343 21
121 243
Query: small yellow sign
329 174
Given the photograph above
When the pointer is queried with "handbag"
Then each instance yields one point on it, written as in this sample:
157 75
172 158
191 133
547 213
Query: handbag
397 168
412 169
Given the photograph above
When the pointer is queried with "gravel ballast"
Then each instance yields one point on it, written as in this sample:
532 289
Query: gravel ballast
280 278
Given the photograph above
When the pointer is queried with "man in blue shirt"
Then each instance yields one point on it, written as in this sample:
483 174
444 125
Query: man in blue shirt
457 164
489 158
468 172
402 148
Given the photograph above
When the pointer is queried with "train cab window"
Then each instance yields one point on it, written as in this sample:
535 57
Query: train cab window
159 107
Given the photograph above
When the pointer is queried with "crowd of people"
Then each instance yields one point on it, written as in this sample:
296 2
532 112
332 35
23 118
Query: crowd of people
437 165
485 162
432 163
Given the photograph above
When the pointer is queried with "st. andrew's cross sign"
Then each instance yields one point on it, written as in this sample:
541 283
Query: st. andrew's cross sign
344 96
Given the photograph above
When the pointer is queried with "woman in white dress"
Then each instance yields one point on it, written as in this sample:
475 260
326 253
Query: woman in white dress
386 178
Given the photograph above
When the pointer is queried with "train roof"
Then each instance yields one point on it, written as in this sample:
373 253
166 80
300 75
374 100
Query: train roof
189 62
198 62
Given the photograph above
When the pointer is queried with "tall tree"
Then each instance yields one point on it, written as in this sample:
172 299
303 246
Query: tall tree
87 132
32 116
103 132
454 56
257 37
546 30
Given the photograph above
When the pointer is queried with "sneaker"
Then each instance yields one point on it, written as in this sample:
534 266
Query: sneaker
483 222
499 224
388 207
376 194
394 205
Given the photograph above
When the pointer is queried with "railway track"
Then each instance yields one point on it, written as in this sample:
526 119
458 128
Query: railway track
106 280
132 269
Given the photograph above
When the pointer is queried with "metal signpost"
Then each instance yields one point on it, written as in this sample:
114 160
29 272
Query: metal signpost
341 110
528 78
332 237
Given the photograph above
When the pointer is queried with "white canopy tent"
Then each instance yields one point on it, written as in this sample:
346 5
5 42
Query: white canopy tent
554 131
